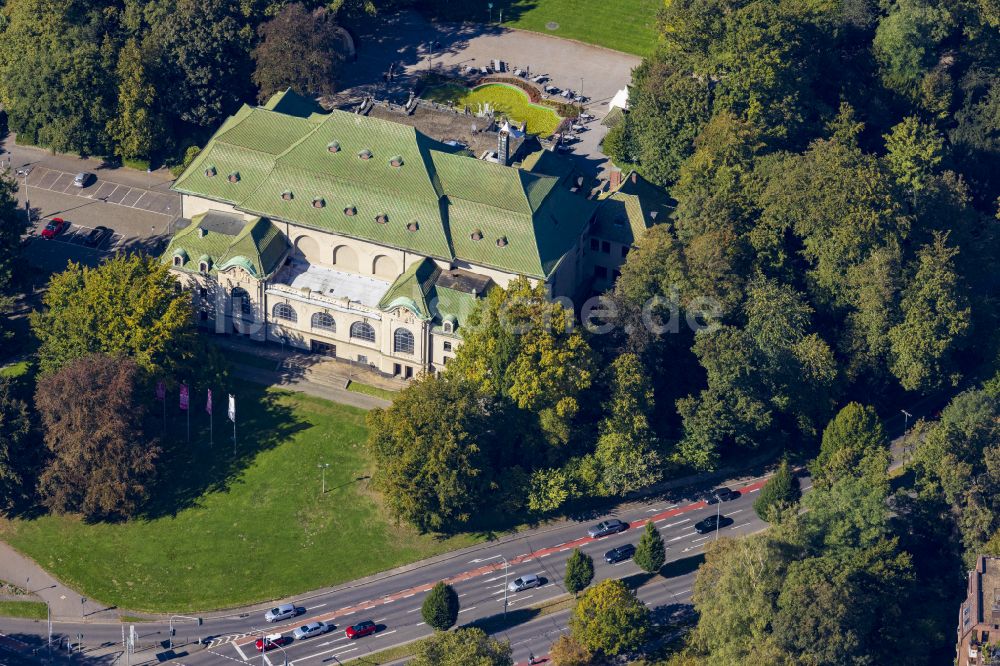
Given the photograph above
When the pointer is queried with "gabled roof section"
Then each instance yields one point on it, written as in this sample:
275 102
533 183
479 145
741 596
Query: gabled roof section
625 214
291 103
412 290
255 245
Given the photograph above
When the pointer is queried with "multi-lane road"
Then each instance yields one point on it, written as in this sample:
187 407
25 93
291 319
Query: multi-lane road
393 601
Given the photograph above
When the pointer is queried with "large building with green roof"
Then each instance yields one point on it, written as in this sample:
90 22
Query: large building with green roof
364 239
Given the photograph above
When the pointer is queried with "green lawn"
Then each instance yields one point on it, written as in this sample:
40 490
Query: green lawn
227 532
507 100
375 391
622 25
32 610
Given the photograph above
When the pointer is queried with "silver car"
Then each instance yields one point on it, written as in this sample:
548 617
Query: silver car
282 612
524 582
82 179
310 630
610 526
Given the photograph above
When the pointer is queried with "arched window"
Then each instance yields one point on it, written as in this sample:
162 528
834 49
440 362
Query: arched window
362 330
324 320
447 327
286 312
402 341
241 302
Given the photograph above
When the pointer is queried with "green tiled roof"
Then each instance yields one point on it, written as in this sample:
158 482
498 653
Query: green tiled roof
258 247
454 303
412 289
407 178
625 214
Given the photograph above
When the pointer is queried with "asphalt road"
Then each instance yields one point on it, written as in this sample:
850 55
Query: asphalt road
393 601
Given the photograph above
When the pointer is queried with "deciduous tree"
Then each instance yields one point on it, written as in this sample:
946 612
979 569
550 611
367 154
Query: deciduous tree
128 305
16 446
101 458
463 647
431 450
936 318
299 49
609 619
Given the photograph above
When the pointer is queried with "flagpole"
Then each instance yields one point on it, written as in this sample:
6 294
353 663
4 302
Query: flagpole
188 410
211 429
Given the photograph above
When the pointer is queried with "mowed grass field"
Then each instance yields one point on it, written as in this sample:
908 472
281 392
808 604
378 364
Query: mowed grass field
622 25
227 532
508 100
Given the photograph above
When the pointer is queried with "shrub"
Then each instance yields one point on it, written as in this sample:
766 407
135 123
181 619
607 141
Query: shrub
440 608
651 553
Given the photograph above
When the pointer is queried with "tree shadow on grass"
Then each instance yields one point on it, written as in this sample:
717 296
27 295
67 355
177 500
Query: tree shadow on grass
189 470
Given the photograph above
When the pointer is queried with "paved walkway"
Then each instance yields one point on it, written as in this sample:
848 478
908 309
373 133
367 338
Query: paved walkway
63 601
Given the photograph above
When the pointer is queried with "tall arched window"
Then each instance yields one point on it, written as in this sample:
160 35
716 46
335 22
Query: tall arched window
402 341
324 321
286 312
241 303
362 330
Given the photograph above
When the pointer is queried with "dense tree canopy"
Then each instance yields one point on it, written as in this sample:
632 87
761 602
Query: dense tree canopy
298 49
609 619
101 457
17 446
463 647
440 607
128 305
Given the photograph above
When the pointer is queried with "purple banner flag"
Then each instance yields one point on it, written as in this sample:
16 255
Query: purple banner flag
161 390
184 396
208 403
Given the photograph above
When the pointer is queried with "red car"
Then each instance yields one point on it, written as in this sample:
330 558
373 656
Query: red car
272 641
364 628
56 226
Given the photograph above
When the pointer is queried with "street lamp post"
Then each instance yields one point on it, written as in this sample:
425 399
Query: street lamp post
718 517
506 567
323 467
490 5
83 612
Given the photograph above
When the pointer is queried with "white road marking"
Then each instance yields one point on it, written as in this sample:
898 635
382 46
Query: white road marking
320 654
467 609
420 623
413 610
240 651
683 536
545 555
753 491
679 522
386 633
411 594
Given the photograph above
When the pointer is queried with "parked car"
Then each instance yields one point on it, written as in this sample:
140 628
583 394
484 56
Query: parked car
97 236
272 641
524 582
82 179
720 495
310 630
282 612
56 226
711 524
611 526
619 554
363 628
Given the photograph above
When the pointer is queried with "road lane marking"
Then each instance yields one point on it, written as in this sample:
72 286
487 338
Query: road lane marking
240 651
411 594
753 491
320 654
679 522
676 538
413 610
386 633
467 609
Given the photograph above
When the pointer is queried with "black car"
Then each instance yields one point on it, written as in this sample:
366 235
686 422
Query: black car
97 236
711 524
619 554
721 495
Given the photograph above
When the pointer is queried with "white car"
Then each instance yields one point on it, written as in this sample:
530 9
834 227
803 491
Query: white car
310 630
282 612
524 582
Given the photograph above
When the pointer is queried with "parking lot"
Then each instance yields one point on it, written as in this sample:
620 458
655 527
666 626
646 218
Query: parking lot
54 180
77 234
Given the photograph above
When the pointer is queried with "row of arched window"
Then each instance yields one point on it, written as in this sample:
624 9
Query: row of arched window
402 339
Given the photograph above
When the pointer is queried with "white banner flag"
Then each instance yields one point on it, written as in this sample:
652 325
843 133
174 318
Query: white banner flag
232 408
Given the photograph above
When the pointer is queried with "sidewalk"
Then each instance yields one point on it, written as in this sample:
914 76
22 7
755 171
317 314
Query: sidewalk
64 603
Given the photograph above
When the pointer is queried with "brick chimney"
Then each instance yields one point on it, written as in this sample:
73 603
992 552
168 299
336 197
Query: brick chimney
615 179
